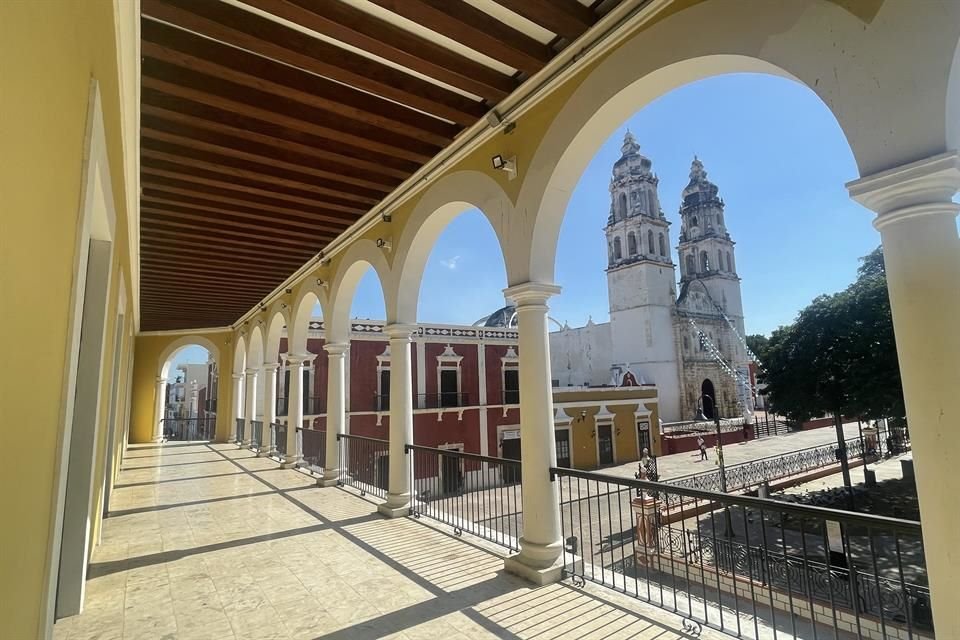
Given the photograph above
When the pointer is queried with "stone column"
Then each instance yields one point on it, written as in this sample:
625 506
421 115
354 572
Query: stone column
161 405
269 405
237 406
401 420
294 406
917 221
541 544
250 408
336 410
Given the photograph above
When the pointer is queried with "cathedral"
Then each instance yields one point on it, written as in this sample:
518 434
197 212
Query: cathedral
684 337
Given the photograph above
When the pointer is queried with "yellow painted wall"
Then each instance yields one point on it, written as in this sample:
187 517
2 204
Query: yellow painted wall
146 368
49 51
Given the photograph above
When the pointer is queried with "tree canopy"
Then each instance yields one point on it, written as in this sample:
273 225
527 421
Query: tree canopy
839 356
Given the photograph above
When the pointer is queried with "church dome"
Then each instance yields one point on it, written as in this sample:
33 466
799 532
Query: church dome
504 317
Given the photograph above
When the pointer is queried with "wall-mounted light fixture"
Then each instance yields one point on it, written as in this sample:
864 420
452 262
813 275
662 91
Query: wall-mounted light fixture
386 217
507 165
384 243
321 283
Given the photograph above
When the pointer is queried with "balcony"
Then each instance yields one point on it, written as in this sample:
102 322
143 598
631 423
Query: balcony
642 560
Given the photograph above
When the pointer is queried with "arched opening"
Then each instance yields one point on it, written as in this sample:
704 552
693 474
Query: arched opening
691 264
188 384
708 399
651 249
617 252
704 262
662 242
622 206
632 243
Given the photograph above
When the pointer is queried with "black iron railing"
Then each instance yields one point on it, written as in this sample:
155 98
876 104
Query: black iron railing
364 464
686 428
189 428
756 472
256 434
279 434
743 564
241 427
442 400
480 495
313 449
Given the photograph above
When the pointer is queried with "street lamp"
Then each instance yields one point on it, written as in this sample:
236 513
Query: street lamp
723 471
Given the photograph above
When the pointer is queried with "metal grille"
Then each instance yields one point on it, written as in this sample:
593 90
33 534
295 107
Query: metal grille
742 564
364 464
241 427
480 495
256 434
313 449
189 428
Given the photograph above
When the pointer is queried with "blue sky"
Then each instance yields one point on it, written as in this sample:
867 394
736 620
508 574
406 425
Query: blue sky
771 146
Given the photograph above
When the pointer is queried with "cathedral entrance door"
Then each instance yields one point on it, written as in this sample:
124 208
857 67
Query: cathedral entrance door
708 398
605 444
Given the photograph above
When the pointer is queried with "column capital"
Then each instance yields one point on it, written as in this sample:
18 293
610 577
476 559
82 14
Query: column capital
238 376
336 348
912 190
531 293
400 331
299 358
252 372
161 379
271 366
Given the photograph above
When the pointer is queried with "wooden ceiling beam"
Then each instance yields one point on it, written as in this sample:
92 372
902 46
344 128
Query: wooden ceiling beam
173 270
264 230
197 258
248 294
175 303
206 140
244 29
183 169
185 247
364 31
257 170
236 198
193 114
159 218
567 18
229 96
306 222
200 237
184 49
476 29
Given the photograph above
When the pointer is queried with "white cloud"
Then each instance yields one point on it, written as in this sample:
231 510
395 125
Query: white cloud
451 263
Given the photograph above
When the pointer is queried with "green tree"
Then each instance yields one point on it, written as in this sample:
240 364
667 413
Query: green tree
758 344
839 356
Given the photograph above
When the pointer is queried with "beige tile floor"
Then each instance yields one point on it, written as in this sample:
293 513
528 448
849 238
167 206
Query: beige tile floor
208 542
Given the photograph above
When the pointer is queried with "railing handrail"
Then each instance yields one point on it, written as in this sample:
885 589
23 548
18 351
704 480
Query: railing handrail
459 454
349 436
766 504
764 458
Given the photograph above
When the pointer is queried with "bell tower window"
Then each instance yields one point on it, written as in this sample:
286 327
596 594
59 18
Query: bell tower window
704 262
631 244
617 249
622 208
650 248
663 245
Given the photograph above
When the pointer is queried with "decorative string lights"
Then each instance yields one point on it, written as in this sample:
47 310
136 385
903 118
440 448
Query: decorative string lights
741 379
742 340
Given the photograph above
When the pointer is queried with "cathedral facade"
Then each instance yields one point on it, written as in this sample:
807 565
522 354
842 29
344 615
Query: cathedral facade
685 336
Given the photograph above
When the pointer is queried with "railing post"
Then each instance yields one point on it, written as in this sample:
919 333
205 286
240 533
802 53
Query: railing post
249 412
401 420
336 411
542 543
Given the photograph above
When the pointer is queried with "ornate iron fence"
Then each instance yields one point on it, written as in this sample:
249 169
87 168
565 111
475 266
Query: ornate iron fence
279 432
241 427
743 564
480 495
256 434
756 472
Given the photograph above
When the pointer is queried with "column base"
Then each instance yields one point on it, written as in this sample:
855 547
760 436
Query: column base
330 478
264 453
396 506
540 576
289 463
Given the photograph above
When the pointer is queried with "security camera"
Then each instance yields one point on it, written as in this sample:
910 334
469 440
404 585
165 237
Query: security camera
384 244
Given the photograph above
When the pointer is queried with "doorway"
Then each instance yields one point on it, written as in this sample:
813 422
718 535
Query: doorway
450 473
605 444
708 398
562 437
510 449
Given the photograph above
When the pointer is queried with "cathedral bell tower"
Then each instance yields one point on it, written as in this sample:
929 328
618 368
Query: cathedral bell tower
706 249
640 277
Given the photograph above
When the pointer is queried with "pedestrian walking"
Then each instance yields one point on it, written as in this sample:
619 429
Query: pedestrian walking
703 447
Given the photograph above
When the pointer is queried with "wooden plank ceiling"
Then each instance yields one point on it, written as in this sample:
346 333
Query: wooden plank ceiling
270 126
